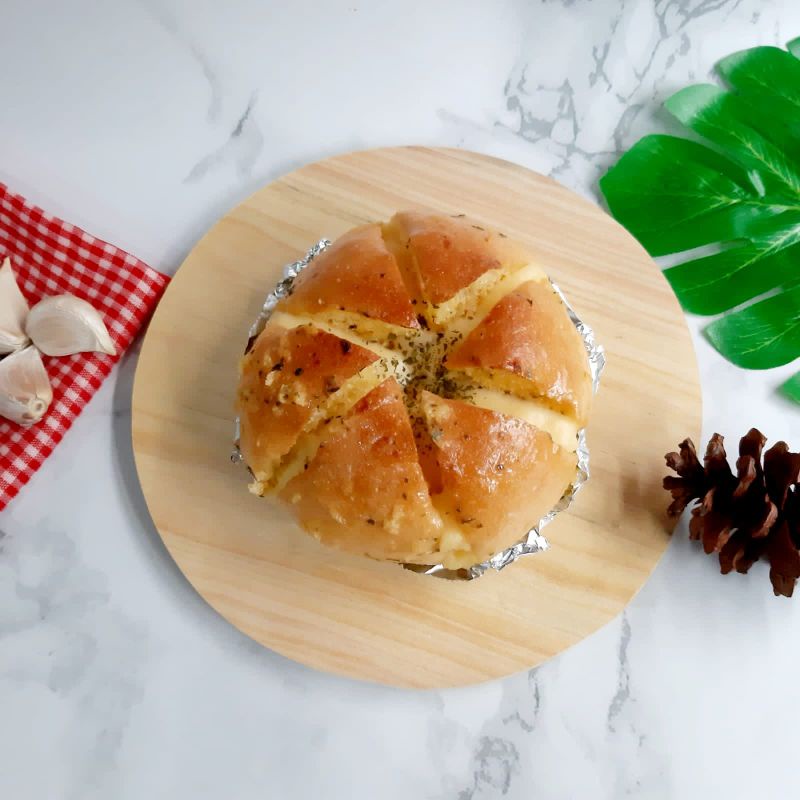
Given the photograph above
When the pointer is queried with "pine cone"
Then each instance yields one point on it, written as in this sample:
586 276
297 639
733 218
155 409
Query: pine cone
745 516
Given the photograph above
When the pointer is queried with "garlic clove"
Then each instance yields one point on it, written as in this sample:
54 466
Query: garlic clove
25 391
13 310
65 325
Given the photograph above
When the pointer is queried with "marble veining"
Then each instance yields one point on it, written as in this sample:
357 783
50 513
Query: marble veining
171 24
143 121
623 694
241 148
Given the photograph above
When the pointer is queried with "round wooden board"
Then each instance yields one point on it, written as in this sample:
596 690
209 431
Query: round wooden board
377 621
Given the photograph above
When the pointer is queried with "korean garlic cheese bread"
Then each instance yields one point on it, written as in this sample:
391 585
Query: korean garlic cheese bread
417 396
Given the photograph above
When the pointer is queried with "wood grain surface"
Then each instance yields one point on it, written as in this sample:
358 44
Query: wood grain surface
377 621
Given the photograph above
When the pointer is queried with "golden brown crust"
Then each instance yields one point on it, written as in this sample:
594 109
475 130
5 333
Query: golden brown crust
400 472
356 273
287 375
529 333
364 490
450 253
498 475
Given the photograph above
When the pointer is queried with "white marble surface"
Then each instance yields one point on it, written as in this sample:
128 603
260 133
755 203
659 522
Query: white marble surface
143 122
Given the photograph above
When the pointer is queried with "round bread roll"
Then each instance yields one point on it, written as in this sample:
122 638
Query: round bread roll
417 396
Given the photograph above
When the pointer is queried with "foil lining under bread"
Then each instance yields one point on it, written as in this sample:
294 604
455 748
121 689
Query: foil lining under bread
533 541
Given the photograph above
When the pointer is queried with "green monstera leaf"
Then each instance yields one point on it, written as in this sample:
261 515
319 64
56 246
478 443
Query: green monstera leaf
734 192
791 388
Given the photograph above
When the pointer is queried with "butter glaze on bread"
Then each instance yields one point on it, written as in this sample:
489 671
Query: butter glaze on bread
528 335
417 397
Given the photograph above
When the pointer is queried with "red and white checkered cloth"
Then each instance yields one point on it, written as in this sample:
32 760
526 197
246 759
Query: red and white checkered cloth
50 257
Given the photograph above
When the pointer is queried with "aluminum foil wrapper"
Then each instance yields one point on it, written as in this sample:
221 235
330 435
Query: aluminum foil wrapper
533 541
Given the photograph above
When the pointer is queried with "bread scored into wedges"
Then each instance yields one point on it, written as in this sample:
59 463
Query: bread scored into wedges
417 396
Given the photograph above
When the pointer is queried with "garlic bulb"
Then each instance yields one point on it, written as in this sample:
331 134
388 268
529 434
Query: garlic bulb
25 391
64 325
13 310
